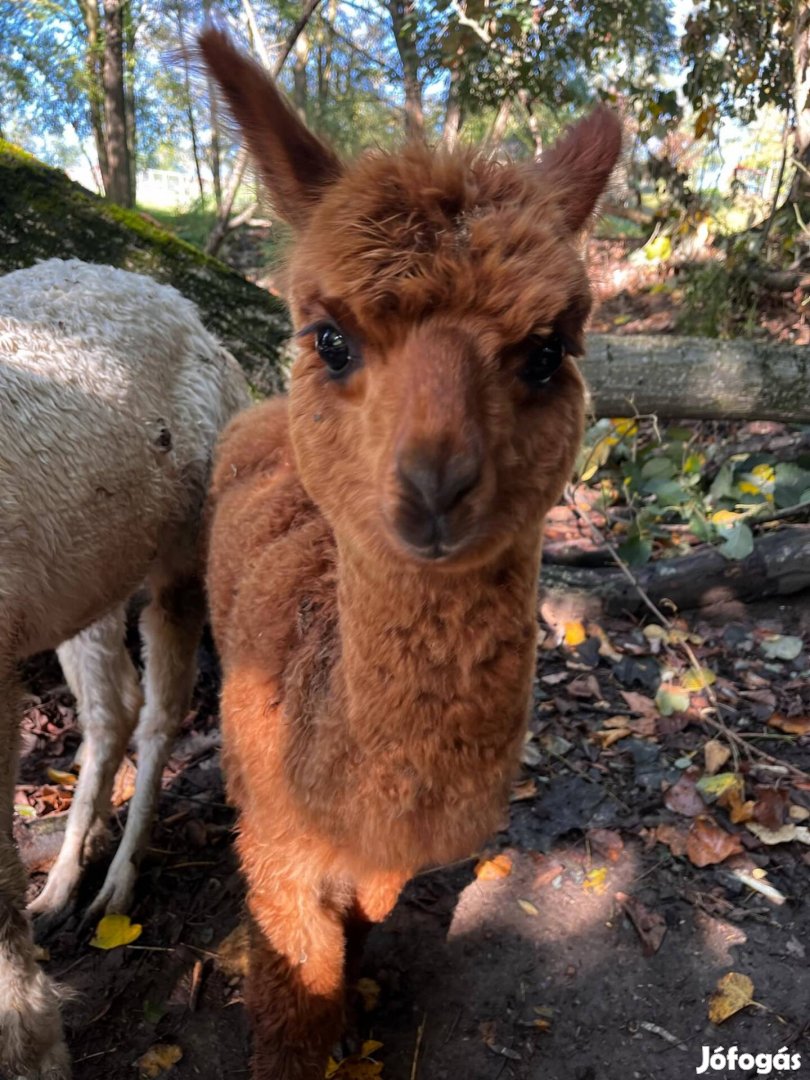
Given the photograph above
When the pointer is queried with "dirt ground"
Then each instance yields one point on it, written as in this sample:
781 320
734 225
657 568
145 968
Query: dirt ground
536 974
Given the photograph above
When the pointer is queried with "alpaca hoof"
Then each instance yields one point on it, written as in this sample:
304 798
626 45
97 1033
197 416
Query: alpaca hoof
31 1042
115 895
55 904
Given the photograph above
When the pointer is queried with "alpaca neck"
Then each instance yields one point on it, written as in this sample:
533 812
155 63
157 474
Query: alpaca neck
427 649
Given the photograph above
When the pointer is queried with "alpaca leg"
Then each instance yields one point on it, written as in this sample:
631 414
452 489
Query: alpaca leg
171 626
294 989
31 1042
102 676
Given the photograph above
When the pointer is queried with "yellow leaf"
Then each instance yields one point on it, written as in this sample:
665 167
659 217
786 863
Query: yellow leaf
528 907
725 517
159 1059
625 426
596 880
332 1067
713 787
747 488
697 678
494 869
621 320
574 634
24 810
369 1046
734 992
608 736
113 931
58 777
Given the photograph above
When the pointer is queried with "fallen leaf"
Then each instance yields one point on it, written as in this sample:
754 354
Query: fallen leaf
708 844
606 842
771 807
493 869
585 686
671 699
650 926
780 836
113 931
697 679
369 991
715 754
596 880
59 777
24 810
640 703
158 1059
739 810
528 907
233 952
356 1066
793 725
124 783
523 789
674 836
608 737
574 634
734 992
781 646
712 787
683 797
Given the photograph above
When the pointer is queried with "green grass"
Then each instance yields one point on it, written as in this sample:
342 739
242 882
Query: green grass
193 225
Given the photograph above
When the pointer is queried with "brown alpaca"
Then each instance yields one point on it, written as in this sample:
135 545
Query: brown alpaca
376 536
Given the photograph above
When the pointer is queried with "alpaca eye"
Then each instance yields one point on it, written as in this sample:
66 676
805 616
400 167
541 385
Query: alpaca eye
333 348
544 356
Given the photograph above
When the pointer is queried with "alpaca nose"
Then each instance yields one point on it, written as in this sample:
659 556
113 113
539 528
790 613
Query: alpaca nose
433 486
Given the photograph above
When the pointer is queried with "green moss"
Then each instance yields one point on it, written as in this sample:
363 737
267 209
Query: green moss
45 215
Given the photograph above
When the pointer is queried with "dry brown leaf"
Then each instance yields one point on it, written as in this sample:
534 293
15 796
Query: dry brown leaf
607 738
650 926
715 754
674 836
606 842
158 1059
640 704
683 797
708 844
232 954
793 725
523 789
493 869
734 992
738 809
124 783
771 807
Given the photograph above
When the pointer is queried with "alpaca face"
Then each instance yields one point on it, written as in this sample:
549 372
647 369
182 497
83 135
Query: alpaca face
435 406
438 299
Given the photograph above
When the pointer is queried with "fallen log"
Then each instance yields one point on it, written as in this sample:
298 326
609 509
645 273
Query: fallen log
697 378
778 566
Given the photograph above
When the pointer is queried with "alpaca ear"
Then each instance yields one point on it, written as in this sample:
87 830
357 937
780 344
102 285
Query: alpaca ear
580 163
295 165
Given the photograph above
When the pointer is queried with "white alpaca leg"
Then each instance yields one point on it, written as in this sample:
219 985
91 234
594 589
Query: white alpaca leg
31 1042
171 626
101 675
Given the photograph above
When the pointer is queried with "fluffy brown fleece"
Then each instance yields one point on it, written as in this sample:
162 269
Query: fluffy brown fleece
376 688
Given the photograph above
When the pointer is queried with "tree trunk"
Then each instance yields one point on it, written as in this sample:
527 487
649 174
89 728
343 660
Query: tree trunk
189 103
452 114
130 29
402 13
498 129
119 189
214 153
697 378
800 189
531 120
95 95
778 566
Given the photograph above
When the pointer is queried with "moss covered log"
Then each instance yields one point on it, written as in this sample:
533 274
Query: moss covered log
44 215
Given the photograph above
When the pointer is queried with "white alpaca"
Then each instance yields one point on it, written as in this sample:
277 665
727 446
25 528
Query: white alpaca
112 395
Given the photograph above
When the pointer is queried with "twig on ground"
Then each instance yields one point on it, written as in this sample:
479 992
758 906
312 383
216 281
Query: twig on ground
736 740
419 1033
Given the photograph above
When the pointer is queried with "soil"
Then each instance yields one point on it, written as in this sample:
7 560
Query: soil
537 974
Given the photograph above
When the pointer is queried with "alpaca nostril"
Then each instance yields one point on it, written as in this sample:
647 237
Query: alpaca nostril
439 484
